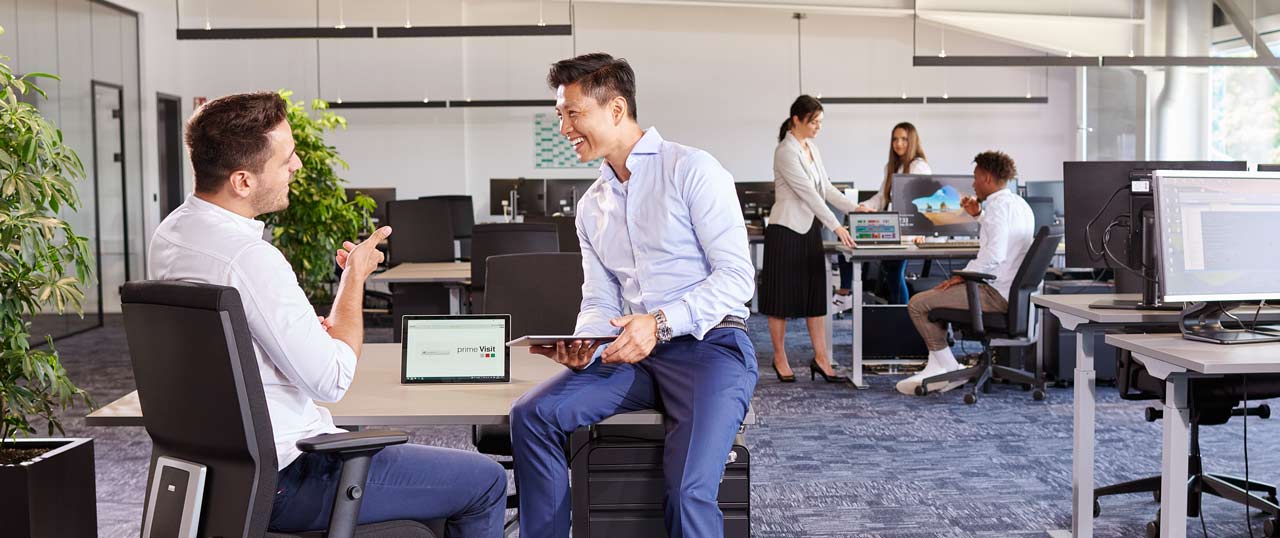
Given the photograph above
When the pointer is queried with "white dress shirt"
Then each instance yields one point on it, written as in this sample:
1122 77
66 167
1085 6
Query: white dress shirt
670 238
878 202
1007 227
299 362
800 187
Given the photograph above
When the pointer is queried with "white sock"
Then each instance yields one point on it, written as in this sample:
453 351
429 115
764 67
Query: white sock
944 359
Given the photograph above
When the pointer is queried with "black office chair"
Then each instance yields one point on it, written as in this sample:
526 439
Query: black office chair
1211 401
567 227
543 293
380 195
463 215
506 238
202 402
1000 329
422 232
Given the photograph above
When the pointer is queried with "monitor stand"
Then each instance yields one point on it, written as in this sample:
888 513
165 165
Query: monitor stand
1203 322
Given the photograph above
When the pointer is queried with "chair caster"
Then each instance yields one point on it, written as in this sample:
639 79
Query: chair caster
1264 411
1153 529
1271 527
1038 395
971 398
1097 508
921 391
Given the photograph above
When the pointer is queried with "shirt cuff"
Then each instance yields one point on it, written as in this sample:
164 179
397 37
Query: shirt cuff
679 318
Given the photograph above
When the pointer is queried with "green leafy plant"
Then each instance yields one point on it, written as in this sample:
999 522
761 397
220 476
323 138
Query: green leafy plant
43 262
319 217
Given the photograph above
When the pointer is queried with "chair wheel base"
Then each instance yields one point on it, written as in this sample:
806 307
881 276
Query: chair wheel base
1097 508
1271 528
1038 395
1153 529
971 398
921 391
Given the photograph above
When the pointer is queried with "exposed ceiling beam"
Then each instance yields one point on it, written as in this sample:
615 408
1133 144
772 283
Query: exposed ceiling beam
1244 23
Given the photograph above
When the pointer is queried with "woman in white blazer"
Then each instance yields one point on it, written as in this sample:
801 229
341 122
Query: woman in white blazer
906 156
792 282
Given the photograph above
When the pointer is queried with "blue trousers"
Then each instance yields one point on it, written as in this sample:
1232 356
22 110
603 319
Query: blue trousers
416 482
702 387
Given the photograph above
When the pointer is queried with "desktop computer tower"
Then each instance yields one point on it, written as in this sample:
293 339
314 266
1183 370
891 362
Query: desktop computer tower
617 483
1060 343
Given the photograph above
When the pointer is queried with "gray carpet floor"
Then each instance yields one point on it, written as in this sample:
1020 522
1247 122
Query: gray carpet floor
829 460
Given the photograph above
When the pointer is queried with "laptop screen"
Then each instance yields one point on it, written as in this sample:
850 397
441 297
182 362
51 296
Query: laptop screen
874 227
455 349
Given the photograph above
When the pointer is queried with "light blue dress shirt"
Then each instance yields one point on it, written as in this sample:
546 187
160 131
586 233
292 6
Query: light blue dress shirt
670 238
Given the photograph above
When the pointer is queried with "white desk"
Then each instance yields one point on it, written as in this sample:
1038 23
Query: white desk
1175 359
377 398
856 257
454 275
1073 311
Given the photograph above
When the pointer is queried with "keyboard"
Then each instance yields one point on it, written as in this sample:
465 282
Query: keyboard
949 244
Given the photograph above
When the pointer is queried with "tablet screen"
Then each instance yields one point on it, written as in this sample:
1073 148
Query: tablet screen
455 349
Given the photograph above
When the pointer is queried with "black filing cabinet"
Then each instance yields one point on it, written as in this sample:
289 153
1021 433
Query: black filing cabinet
618 485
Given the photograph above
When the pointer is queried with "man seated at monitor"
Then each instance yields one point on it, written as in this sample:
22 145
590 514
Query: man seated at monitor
242 151
1006 228
662 240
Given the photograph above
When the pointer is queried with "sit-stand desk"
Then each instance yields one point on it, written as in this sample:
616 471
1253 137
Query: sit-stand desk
1075 314
454 275
856 257
1175 359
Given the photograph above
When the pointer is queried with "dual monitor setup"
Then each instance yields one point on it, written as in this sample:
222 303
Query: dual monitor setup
1192 236
535 197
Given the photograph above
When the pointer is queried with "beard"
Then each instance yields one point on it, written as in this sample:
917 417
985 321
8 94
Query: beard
271 202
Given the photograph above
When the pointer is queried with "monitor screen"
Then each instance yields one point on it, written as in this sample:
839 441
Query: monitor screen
531 196
455 349
874 227
1095 194
563 195
1048 189
930 205
1215 235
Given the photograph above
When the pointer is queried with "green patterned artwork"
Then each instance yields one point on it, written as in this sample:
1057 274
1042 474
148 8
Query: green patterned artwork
550 150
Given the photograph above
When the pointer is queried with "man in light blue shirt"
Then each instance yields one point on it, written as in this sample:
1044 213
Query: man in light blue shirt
666 266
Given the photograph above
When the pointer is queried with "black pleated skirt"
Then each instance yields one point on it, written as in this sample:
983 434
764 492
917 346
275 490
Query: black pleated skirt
792 283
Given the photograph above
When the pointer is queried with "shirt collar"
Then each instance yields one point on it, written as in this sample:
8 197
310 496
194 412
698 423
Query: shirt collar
649 144
250 226
996 194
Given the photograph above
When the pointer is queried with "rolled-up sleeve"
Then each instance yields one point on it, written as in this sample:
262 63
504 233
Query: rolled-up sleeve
284 324
721 233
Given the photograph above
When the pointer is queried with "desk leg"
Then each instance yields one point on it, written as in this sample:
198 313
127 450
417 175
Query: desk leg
1082 450
830 320
455 300
1177 438
855 368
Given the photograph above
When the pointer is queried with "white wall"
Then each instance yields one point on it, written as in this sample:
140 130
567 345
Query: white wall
716 78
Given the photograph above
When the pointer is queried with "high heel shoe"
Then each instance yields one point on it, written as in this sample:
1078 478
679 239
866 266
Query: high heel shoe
815 370
783 378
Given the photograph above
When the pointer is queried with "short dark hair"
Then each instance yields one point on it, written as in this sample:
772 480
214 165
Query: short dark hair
230 133
601 75
997 164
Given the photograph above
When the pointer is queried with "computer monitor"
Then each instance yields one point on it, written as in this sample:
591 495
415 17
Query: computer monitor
563 195
756 198
930 204
1215 244
1041 210
531 196
1050 189
380 196
1096 194
1269 167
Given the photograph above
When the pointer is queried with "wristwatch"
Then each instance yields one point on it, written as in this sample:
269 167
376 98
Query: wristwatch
664 329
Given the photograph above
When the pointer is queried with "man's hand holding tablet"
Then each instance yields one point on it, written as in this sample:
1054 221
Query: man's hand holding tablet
575 354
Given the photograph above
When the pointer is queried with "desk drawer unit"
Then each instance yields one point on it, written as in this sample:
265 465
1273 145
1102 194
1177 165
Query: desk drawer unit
618 484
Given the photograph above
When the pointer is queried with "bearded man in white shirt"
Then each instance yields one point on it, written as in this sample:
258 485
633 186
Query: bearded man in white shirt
1007 227
242 151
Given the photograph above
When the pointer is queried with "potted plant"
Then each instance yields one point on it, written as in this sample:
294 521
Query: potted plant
46 485
319 217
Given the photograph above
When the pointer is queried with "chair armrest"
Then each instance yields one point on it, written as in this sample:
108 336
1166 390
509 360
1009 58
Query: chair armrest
972 294
974 276
342 443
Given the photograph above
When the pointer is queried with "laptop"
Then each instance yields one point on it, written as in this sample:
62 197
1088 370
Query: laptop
455 349
875 230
